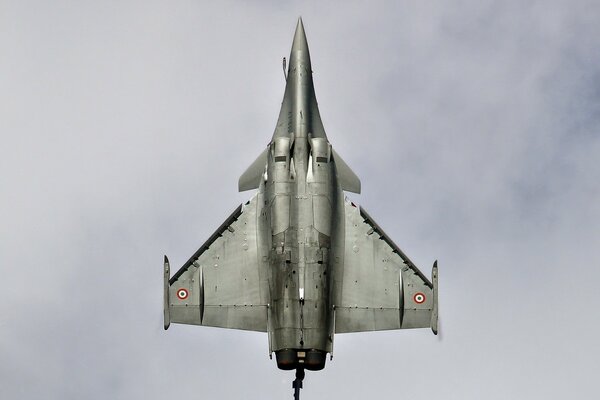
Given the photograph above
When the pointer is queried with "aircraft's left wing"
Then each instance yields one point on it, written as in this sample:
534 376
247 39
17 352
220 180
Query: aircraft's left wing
379 287
223 283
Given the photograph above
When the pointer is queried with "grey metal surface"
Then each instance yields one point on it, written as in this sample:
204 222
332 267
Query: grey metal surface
300 261
254 174
220 285
379 288
346 177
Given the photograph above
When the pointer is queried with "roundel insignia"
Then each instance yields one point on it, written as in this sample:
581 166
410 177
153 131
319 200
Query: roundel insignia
182 294
419 298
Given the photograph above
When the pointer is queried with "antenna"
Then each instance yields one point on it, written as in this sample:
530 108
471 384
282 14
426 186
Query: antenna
284 73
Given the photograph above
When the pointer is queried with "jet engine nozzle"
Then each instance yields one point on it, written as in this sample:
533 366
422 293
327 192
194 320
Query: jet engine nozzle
312 360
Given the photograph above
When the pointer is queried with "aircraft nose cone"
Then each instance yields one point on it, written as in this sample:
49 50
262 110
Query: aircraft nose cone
300 45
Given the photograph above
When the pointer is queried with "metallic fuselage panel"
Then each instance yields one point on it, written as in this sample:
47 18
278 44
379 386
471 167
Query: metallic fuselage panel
300 194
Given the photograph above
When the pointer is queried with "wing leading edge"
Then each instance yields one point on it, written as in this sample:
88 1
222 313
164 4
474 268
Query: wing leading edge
223 283
380 288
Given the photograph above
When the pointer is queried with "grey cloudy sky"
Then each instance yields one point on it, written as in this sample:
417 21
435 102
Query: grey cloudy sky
474 126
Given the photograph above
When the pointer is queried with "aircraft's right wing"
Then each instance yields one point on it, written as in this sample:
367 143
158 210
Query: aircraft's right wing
379 287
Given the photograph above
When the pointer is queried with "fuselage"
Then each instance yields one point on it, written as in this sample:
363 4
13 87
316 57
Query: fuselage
301 198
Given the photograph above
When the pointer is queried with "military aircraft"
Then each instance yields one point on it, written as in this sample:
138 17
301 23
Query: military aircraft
299 260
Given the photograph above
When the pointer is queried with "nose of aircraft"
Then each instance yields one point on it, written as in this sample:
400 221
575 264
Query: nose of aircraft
300 53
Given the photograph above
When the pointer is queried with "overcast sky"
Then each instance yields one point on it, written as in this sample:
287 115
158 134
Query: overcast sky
474 127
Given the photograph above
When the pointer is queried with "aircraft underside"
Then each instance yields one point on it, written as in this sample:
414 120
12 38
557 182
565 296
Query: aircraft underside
299 260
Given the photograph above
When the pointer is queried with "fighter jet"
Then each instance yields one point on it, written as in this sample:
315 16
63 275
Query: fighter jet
299 260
